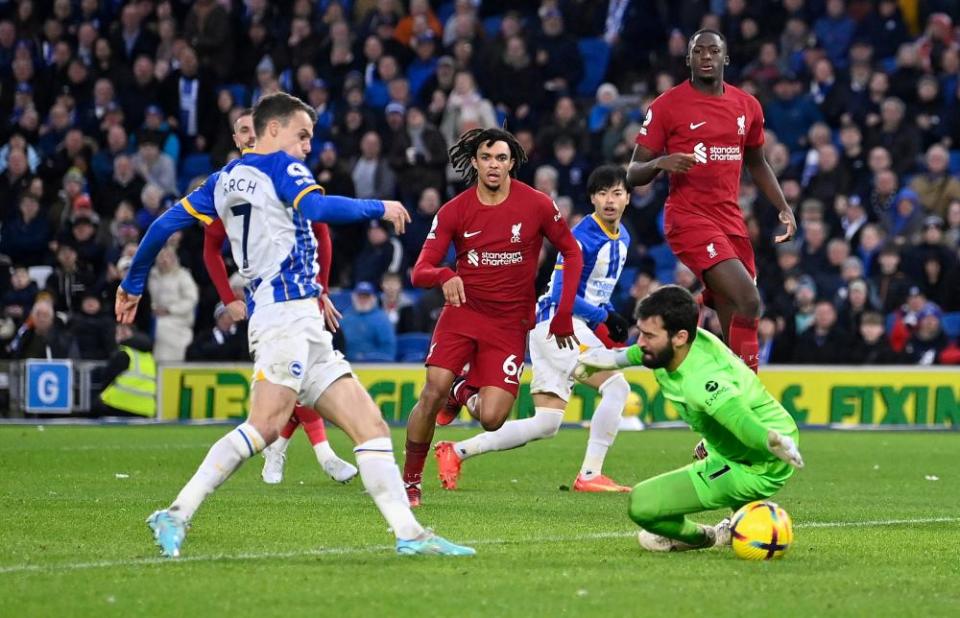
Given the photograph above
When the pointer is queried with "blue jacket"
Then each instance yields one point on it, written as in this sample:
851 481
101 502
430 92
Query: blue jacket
369 336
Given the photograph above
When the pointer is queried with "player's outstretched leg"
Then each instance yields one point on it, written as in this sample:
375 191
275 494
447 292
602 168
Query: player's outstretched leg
660 505
275 455
603 431
420 428
346 403
269 409
338 469
543 424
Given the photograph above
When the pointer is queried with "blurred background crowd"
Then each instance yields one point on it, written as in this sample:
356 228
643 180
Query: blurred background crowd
109 111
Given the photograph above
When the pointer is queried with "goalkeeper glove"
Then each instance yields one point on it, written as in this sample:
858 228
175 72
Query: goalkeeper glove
784 448
617 326
599 359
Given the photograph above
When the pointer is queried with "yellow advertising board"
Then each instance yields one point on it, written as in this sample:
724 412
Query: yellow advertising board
907 396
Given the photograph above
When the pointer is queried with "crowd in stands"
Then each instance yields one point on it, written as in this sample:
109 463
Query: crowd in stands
110 110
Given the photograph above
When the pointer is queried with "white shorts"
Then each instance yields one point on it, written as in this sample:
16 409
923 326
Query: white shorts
553 367
291 347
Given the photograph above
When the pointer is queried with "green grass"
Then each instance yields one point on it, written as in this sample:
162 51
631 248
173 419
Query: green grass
74 542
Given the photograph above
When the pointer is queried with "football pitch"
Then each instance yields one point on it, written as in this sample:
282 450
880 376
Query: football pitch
876 515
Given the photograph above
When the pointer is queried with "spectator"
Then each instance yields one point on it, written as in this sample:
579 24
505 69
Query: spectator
419 157
805 297
372 175
25 235
904 219
189 100
103 161
835 32
382 253
823 343
907 317
152 164
421 222
367 329
82 235
71 280
15 178
131 40
226 341
855 304
790 114
936 187
466 109
332 173
517 88
93 330
572 172
207 29
773 346
897 134
565 121
420 20
18 300
43 335
175 296
396 303
152 199
124 186
928 339
884 29
871 346
557 55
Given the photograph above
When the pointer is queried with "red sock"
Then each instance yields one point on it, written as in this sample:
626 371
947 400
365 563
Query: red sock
290 427
743 340
413 464
312 423
464 392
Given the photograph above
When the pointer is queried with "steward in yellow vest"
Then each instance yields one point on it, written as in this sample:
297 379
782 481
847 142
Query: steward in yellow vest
132 375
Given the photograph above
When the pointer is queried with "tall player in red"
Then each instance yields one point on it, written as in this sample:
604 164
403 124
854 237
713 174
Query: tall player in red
701 132
497 227
213 237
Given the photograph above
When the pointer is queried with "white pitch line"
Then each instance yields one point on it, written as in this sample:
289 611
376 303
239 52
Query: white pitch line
333 551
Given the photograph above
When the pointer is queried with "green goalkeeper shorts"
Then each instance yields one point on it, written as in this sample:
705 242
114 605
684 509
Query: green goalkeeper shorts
721 483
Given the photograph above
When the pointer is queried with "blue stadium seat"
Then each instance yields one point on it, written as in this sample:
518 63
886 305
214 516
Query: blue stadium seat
955 161
341 300
446 11
241 96
193 165
665 260
412 347
491 25
951 324
596 55
890 321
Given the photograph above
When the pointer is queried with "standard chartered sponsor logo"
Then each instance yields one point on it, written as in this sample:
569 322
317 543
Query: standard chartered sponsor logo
472 258
703 153
504 258
700 152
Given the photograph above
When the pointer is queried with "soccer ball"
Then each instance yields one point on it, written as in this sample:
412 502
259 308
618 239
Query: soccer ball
761 530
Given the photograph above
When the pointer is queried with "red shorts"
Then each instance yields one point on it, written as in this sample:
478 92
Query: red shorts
494 349
702 247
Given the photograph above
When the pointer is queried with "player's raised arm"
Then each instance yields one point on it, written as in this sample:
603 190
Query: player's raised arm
558 233
131 288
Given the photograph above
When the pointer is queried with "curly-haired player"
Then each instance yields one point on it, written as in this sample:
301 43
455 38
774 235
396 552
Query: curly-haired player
497 227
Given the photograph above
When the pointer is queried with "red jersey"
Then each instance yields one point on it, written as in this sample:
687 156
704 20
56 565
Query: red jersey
717 130
497 252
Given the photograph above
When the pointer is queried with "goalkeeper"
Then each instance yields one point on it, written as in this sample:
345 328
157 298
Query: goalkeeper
751 440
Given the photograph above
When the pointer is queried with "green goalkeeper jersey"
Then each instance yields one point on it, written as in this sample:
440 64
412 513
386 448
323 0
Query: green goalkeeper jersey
721 399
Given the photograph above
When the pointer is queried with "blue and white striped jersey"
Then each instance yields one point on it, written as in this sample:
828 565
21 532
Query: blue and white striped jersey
603 257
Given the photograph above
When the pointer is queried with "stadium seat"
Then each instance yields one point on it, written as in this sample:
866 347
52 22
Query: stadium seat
955 161
40 274
193 166
412 347
951 324
665 260
596 55
446 11
241 96
341 300
491 26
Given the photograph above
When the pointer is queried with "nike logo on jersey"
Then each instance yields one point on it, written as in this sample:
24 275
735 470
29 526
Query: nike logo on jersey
694 127
470 234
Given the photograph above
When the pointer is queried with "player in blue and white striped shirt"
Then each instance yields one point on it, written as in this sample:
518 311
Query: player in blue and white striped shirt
266 200
604 242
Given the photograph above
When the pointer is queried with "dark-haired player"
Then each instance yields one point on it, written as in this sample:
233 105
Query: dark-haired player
701 132
751 439
604 243
497 227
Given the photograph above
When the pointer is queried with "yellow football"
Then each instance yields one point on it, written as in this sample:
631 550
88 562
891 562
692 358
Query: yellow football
761 530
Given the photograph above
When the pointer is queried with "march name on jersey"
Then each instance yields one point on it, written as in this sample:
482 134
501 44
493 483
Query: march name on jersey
717 130
604 255
272 242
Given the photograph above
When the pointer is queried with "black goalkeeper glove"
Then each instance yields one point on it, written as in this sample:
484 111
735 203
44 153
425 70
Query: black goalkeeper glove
618 326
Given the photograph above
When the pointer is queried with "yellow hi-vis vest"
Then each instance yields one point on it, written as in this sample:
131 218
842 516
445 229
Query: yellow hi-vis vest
134 390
